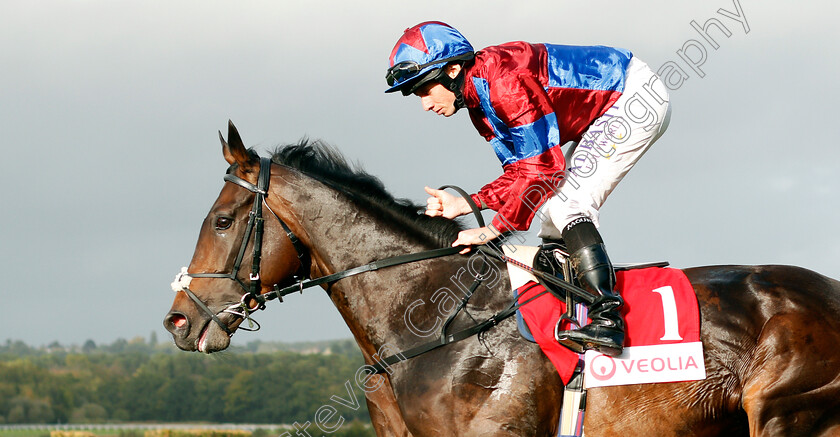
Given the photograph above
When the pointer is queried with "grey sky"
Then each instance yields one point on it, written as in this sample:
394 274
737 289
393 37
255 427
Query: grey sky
109 112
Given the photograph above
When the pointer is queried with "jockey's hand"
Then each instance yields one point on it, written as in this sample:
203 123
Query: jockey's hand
443 204
474 237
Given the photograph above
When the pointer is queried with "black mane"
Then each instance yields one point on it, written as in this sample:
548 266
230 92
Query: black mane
326 164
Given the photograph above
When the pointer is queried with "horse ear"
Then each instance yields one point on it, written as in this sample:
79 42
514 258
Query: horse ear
233 149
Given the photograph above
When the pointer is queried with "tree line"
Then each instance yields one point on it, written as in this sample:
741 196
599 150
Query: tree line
141 381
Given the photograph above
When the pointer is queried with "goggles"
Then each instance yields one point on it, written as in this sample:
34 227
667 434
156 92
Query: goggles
404 70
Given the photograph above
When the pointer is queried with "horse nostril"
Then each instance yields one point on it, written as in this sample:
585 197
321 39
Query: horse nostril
175 321
179 321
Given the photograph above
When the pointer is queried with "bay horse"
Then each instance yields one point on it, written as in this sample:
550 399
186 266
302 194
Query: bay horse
771 334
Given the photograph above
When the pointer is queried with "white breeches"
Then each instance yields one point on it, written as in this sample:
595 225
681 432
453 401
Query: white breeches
608 150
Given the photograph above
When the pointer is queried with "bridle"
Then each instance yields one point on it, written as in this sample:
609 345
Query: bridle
252 300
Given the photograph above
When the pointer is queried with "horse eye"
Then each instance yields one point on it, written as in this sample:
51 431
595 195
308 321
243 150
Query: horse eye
223 222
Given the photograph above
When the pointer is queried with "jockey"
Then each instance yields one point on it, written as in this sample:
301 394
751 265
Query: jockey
528 100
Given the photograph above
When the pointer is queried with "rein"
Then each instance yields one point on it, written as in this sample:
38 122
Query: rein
278 293
491 321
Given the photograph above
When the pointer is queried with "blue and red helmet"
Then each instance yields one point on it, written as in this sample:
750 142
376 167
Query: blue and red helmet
421 53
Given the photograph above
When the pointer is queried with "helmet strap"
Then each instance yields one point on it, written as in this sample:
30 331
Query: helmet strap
456 85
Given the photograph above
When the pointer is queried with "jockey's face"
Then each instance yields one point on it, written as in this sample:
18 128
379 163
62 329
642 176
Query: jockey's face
435 97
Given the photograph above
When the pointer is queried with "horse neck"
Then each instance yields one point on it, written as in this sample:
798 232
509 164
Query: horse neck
374 305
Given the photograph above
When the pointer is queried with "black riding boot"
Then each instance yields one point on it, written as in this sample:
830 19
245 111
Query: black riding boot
606 331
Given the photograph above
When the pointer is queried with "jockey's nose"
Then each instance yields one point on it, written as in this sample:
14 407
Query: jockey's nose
427 103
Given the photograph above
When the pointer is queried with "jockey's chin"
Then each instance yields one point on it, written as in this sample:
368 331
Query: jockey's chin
446 112
436 98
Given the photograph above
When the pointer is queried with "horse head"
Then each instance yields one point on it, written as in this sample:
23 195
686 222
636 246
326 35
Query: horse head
232 266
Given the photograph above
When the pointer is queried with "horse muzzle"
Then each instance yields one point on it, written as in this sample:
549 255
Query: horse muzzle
203 336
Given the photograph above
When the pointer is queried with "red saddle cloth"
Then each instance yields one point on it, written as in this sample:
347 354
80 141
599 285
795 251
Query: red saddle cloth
649 313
